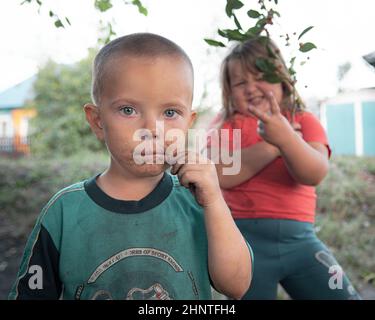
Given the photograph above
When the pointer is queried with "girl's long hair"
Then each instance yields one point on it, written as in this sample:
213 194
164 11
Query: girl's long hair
247 53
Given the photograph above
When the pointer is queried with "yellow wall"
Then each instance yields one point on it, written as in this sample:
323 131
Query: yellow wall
17 116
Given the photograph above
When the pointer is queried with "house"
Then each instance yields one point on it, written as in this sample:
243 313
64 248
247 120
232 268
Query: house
349 117
14 117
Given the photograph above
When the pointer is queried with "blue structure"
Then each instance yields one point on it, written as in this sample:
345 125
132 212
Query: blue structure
349 119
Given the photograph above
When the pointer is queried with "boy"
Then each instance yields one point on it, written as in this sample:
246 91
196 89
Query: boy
134 231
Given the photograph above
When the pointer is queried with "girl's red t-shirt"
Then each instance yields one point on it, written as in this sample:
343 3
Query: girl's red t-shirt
272 192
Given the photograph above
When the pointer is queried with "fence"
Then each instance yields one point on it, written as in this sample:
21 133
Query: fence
15 145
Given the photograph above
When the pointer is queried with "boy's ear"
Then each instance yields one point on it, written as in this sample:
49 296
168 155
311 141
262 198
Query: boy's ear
93 118
193 117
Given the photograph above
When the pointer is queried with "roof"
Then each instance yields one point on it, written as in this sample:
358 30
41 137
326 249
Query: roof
360 76
370 58
16 96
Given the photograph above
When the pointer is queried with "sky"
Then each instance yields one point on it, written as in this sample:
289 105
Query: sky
343 31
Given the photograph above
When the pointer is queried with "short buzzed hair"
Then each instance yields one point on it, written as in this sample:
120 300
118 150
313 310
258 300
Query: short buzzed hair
143 45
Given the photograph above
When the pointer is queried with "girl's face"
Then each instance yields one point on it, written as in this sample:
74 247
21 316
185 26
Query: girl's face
248 89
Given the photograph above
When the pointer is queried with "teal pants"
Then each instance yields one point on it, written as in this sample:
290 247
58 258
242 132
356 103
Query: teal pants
288 252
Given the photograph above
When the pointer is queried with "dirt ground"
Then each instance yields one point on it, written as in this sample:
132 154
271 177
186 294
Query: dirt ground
12 243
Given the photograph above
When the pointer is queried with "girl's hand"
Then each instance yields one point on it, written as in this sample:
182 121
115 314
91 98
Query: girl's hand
273 126
199 175
297 128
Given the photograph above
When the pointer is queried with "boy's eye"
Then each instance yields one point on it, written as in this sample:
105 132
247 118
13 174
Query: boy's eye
170 113
127 110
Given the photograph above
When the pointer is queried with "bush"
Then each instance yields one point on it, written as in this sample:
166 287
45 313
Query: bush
60 126
346 216
28 183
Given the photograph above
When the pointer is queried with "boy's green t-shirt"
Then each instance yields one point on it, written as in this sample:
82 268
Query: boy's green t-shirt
87 245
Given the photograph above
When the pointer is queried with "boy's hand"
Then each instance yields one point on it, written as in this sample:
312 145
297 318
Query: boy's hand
199 176
273 126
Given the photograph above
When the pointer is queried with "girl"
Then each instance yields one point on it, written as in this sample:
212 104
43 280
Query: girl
284 155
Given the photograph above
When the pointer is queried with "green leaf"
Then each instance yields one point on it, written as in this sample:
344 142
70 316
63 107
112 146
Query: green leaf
264 65
214 43
275 13
271 78
305 47
261 22
221 33
270 52
141 8
232 5
253 14
39 2
291 71
291 68
67 20
103 5
237 22
304 31
254 31
109 34
51 14
58 24
235 35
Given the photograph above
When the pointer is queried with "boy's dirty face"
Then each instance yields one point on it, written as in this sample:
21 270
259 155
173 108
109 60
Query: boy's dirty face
142 100
248 89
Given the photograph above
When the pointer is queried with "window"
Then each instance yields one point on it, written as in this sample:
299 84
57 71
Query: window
3 129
